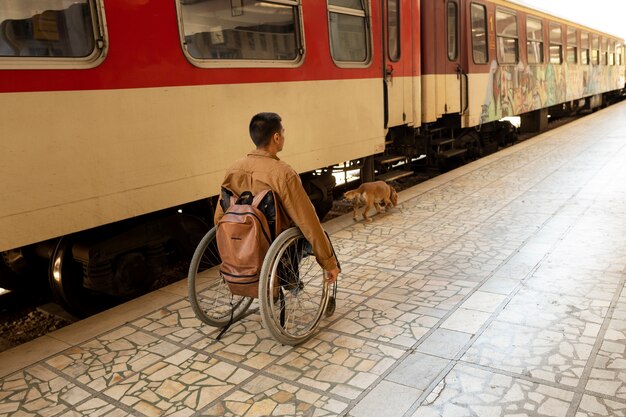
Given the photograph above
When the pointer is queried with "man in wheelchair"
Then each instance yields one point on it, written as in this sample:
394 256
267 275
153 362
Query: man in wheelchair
260 170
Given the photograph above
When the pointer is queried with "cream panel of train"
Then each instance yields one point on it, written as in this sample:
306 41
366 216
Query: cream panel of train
93 157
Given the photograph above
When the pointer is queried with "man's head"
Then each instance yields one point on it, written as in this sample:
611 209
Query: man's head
266 130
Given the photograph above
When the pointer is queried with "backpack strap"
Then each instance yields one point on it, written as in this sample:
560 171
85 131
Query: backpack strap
228 199
259 197
266 202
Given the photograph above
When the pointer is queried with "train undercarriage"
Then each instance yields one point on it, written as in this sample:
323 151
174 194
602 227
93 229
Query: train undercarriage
438 146
90 271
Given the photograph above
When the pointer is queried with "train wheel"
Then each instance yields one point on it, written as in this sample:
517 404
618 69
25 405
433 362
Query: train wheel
471 142
66 282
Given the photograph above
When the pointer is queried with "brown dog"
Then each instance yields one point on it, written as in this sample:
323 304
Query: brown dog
372 193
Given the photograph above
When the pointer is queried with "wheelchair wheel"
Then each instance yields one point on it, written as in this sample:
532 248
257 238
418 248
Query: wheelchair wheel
209 294
292 292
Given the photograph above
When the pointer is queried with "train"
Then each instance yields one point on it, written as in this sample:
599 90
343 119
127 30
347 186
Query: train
119 118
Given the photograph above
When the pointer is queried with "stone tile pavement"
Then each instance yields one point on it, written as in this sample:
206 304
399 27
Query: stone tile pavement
496 289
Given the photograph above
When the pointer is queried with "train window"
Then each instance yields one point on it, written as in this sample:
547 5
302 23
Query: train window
611 52
50 33
350 4
453 24
349 35
556 44
595 53
534 42
572 46
604 50
393 29
618 54
479 33
584 48
507 37
228 33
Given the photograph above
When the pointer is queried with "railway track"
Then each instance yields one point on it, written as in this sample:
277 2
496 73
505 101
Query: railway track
28 314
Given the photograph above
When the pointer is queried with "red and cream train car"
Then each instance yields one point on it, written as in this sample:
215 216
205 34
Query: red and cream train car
119 115
486 60
115 109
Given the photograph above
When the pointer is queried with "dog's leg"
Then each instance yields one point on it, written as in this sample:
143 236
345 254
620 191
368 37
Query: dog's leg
368 206
377 207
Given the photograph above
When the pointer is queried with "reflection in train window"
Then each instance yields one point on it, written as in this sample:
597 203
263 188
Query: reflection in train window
452 23
47 28
350 4
556 44
349 36
507 37
572 48
241 29
595 53
393 29
479 33
584 48
534 40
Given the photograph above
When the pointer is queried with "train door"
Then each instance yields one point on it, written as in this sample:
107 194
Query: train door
398 79
452 60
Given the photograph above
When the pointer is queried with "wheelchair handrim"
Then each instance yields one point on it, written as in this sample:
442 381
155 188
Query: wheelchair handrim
274 281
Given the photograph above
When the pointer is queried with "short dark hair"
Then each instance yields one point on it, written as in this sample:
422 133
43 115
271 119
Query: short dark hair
263 126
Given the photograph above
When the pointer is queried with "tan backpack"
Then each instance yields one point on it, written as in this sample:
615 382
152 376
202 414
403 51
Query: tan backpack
244 235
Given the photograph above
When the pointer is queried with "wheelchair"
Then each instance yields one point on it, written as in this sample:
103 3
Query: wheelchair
293 296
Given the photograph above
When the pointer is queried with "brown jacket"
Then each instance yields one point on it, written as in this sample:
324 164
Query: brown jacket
259 171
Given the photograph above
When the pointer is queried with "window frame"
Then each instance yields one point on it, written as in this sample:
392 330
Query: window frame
584 49
554 26
398 32
456 30
248 63
516 38
595 58
604 50
94 59
572 46
486 33
540 41
367 16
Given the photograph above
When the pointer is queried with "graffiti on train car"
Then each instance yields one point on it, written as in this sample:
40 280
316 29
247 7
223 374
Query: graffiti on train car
517 89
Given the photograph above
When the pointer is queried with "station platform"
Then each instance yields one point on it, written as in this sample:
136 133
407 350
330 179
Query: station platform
496 289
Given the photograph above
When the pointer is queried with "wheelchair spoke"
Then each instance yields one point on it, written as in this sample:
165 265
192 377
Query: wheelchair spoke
209 295
292 265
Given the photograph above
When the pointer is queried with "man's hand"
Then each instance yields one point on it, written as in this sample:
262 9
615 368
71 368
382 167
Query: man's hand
331 276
